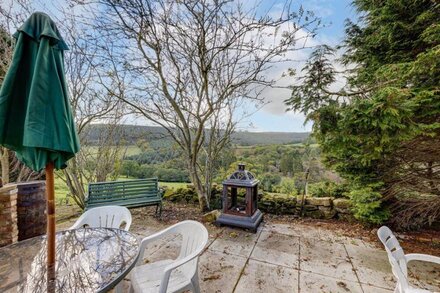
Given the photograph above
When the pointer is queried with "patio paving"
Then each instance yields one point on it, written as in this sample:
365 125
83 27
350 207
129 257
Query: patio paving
290 258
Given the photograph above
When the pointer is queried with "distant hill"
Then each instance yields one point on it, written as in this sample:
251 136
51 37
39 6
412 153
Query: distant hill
264 138
156 135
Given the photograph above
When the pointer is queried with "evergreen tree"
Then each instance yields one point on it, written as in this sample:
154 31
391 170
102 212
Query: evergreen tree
381 131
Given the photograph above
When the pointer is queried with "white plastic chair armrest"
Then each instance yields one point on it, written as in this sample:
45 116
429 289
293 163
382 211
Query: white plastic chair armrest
77 224
168 269
422 257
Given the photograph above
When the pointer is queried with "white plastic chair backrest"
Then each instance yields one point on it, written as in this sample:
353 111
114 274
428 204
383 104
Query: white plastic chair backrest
104 217
194 240
396 256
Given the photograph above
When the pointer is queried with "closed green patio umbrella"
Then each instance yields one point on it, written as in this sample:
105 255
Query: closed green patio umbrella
35 116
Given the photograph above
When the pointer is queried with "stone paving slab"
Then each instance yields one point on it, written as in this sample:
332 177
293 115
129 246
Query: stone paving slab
264 277
372 289
290 258
326 258
310 282
372 266
219 272
287 229
424 276
234 241
276 248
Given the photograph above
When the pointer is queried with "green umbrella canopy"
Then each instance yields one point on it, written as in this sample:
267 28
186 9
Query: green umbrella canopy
35 116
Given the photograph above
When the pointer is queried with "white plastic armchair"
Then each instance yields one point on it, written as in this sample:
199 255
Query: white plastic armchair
399 260
170 275
104 217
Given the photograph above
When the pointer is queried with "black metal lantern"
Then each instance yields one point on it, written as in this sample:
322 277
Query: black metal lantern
240 200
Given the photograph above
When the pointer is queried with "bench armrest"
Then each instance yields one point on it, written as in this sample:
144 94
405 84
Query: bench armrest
160 192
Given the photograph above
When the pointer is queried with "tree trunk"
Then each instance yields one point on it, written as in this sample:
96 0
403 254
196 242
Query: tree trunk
198 185
303 200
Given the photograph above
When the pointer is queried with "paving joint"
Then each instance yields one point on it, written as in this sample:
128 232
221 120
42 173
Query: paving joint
247 261
354 269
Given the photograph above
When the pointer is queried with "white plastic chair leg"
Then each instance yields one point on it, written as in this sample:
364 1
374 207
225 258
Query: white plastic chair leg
195 283
118 288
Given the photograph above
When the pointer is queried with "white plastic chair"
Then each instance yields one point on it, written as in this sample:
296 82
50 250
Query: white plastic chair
399 260
106 217
171 275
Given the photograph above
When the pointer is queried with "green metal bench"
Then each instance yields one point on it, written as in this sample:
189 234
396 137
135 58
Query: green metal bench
129 193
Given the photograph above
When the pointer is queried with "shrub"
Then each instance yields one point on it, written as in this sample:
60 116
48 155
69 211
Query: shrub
287 186
130 168
189 195
269 180
328 188
146 171
367 205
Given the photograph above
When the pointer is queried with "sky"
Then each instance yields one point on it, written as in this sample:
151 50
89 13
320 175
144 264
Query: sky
273 116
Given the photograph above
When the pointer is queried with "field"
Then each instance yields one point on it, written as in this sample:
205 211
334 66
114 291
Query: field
129 150
173 184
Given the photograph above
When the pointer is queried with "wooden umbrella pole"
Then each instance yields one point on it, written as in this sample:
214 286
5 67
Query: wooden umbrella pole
50 201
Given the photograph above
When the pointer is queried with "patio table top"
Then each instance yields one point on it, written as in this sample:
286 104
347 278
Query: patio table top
87 260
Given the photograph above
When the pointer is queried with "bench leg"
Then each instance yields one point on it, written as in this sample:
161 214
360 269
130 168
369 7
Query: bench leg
159 207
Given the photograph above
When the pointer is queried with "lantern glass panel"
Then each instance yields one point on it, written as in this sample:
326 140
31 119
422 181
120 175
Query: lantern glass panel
236 200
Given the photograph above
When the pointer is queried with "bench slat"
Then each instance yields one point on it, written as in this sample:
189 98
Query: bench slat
126 193
126 200
122 186
122 191
126 181
129 204
121 194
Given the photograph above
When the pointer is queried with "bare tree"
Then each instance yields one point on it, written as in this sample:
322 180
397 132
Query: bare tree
190 61
12 14
91 103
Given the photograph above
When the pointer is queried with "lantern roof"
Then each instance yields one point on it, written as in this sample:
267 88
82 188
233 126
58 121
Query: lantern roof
241 178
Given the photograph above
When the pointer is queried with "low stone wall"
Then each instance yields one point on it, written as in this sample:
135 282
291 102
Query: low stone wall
314 207
274 203
22 211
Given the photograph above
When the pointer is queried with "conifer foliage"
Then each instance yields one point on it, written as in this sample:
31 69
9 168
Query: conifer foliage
381 130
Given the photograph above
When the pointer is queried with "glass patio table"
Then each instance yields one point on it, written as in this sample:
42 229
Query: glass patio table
87 260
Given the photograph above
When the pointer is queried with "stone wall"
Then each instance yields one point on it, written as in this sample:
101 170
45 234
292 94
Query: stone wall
22 211
314 207
273 203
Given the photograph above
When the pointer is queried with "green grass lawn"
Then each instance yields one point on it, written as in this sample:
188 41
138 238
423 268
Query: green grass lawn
133 150
173 184
61 189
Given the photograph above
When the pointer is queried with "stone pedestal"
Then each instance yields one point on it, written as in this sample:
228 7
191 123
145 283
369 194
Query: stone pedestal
31 209
8 215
